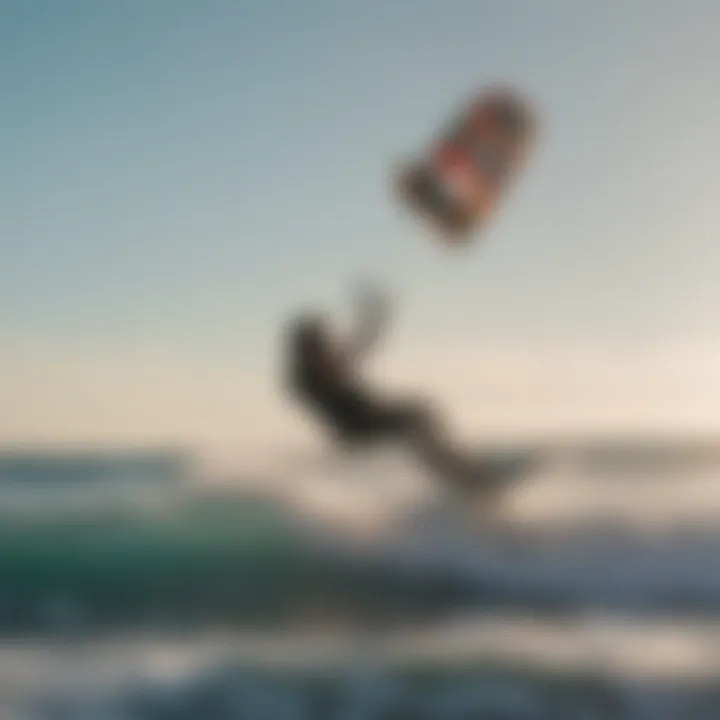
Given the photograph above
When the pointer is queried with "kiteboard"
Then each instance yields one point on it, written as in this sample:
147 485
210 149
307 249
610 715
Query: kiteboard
474 493
458 183
484 478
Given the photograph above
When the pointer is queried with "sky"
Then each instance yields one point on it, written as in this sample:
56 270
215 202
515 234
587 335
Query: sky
178 176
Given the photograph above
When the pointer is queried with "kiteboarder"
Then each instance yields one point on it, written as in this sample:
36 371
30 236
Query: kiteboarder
325 377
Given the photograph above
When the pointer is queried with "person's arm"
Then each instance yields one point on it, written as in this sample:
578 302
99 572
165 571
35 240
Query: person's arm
373 311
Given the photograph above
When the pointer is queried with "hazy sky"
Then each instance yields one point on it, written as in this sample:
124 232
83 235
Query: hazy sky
175 176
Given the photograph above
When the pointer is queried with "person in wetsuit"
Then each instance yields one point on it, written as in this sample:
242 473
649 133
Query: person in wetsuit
325 377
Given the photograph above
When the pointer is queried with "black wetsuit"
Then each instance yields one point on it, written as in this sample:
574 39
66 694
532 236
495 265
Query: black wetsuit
344 405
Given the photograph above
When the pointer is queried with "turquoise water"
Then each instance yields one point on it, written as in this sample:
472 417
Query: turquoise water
229 559
114 567
207 558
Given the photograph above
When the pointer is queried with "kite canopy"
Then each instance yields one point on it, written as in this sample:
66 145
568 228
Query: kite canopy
458 183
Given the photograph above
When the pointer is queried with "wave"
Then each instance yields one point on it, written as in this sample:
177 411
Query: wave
283 556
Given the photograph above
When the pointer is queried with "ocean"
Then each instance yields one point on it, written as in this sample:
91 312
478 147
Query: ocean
358 589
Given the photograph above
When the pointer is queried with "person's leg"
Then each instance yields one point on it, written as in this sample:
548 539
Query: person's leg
403 420
420 425
366 420
413 422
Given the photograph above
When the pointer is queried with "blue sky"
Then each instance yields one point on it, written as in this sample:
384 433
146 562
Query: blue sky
179 175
